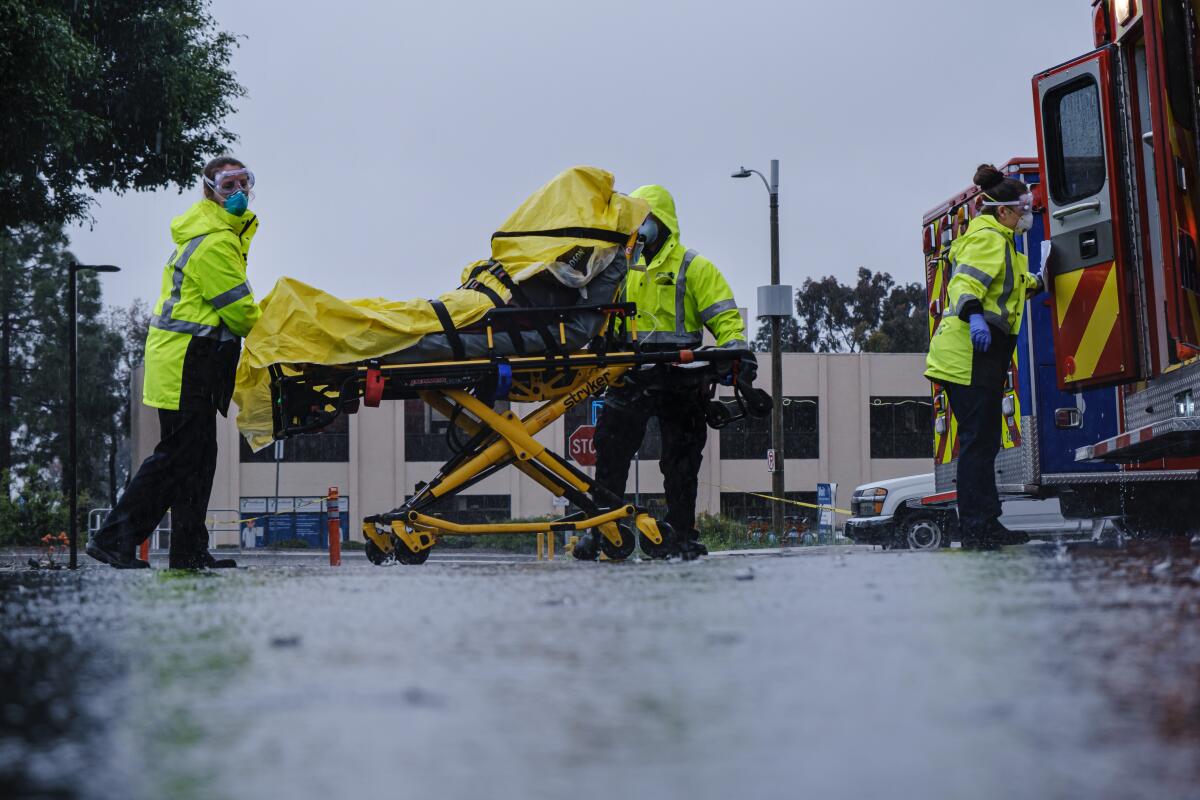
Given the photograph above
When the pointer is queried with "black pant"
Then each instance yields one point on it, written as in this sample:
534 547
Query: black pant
979 412
619 433
178 476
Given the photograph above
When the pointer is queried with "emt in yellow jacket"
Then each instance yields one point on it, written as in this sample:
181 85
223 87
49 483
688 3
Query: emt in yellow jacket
679 293
972 348
204 309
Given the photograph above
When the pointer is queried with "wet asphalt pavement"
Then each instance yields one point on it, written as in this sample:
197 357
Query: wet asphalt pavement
1039 672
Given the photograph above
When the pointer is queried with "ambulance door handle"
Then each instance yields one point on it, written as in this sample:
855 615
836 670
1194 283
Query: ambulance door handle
1078 208
1148 139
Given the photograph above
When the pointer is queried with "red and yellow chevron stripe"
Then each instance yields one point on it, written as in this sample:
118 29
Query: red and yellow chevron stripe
1086 308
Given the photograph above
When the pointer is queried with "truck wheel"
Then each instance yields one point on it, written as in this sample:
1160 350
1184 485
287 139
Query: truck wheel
923 533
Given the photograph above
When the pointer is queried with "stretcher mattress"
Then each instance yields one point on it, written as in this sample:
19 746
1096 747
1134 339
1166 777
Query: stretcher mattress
565 246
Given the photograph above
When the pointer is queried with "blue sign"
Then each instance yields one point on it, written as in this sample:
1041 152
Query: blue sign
826 495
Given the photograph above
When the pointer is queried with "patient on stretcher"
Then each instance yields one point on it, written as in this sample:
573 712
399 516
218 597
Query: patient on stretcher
565 247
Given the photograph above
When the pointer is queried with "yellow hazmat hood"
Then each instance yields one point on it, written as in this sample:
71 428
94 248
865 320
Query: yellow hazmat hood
573 227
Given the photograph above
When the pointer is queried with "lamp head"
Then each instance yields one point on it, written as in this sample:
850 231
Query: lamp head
741 172
95 268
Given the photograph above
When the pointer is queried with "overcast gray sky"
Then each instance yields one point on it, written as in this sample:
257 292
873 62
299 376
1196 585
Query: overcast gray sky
390 139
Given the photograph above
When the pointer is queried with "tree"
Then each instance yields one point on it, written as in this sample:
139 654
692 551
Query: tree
873 315
20 255
43 404
116 95
904 323
789 336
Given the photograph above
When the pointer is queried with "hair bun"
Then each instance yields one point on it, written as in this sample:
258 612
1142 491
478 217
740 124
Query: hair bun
988 177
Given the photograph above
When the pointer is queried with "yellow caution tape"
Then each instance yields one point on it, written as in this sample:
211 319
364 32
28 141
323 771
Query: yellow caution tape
785 500
212 522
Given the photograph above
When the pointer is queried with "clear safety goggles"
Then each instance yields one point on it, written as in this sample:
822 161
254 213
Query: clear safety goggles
231 181
1023 203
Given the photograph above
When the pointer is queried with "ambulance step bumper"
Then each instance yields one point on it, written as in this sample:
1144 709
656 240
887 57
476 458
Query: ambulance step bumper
1174 437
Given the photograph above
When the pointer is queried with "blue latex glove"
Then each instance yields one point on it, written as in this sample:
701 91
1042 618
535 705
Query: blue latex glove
981 337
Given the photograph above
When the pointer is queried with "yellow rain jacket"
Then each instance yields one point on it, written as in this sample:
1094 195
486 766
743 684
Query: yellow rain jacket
572 227
204 308
989 274
680 292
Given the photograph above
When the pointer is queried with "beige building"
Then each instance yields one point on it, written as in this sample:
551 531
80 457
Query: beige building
848 418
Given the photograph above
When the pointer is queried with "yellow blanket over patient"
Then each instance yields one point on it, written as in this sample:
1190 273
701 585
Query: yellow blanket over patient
569 227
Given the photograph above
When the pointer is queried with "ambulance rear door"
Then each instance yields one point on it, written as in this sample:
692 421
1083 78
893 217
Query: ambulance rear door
1094 308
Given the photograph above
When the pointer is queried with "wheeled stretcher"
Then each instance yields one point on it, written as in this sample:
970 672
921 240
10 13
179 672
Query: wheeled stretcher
538 322
464 391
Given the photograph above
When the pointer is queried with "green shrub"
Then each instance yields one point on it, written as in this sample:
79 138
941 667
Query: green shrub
34 509
505 542
723 533
353 544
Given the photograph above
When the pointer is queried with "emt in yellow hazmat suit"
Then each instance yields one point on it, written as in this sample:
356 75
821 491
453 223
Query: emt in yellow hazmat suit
973 345
205 307
678 293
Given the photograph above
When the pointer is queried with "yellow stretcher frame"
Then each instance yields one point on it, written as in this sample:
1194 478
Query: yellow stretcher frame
498 438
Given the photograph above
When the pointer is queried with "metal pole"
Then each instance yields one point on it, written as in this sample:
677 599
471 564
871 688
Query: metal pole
777 478
72 394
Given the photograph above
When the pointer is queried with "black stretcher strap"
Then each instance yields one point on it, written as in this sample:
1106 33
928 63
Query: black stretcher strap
443 315
599 234
476 286
519 297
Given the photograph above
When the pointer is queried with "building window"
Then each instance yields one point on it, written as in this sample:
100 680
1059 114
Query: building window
901 427
425 433
428 434
581 414
754 510
750 438
328 445
472 509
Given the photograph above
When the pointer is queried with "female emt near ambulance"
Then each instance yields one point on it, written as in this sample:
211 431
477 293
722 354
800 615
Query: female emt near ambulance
204 308
973 346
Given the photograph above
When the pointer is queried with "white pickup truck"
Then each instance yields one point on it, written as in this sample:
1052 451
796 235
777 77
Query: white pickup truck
883 516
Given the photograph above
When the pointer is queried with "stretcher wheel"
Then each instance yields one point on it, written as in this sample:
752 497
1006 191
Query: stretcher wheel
376 555
410 557
622 551
668 547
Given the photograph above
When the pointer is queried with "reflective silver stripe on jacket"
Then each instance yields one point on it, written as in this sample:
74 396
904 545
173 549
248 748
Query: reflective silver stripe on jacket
681 291
974 272
963 299
1006 291
177 278
218 332
719 307
676 339
164 322
999 321
231 296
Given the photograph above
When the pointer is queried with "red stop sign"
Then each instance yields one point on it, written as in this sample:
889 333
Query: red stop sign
580 446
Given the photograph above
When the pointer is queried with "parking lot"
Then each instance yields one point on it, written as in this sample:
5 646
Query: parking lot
1041 671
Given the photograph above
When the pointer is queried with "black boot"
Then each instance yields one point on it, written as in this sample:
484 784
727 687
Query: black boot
690 546
115 558
587 548
202 560
1003 537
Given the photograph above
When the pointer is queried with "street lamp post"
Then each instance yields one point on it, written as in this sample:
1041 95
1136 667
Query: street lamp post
774 302
73 395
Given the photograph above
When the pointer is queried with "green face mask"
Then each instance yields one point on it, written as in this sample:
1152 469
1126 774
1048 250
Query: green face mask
237 203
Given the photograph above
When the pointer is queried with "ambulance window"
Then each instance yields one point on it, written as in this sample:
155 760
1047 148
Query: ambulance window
1176 31
1075 141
